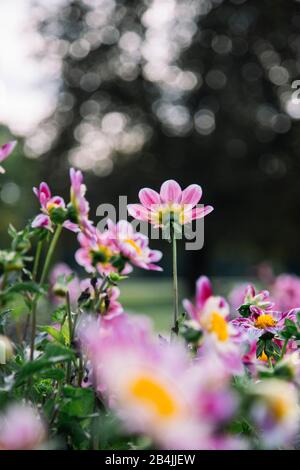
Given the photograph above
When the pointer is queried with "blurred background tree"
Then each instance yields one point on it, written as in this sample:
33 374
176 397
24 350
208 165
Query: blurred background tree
196 90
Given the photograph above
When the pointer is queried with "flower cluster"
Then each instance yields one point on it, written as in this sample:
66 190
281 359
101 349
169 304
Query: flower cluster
227 376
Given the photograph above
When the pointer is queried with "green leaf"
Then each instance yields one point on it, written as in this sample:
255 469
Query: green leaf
22 287
244 310
259 348
56 334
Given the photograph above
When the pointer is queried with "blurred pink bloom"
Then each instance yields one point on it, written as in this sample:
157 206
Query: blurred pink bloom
286 292
237 295
210 314
21 428
49 206
155 389
109 305
5 151
156 207
58 277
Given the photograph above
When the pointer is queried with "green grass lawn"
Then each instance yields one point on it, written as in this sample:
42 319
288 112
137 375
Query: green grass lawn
152 298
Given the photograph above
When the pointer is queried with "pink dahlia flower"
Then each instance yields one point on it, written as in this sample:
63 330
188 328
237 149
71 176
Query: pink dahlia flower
210 314
156 208
5 151
50 207
79 206
261 321
133 246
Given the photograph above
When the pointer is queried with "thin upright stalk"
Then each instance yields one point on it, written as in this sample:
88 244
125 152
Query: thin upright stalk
175 280
34 276
37 259
69 316
42 280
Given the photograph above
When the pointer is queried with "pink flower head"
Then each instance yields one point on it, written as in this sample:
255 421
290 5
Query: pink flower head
156 207
50 207
79 205
5 151
260 321
98 251
21 428
210 314
133 246
259 300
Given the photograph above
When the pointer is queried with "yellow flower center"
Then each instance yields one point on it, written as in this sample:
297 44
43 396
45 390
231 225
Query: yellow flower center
219 326
265 321
153 394
279 407
52 205
135 246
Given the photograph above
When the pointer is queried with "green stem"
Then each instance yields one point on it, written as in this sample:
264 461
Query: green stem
270 363
50 254
37 259
42 280
69 314
175 280
284 346
34 276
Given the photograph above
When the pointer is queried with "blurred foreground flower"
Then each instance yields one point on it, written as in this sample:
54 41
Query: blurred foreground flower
156 389
5 151
276 411
21 428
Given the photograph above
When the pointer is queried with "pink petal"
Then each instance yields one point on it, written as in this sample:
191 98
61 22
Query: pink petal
71 226
200 212
42 221
138 212
203 291
190 309
155 255
2 169
170 192
149 197
191 195
6 149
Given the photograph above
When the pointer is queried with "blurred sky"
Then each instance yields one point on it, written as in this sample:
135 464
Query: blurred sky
28 82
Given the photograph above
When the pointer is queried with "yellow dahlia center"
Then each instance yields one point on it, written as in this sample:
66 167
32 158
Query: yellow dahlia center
279 407
52 205
219 326
265 321
135 246
151 393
